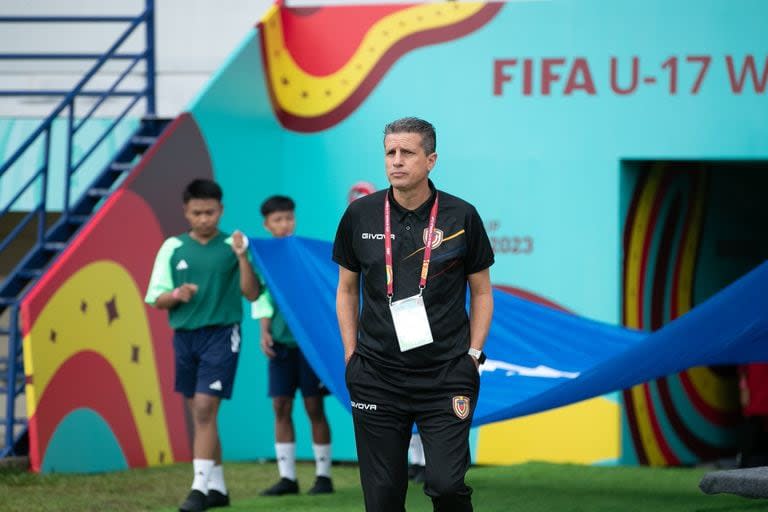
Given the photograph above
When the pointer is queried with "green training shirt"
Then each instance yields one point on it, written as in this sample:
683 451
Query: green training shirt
265 307
212 267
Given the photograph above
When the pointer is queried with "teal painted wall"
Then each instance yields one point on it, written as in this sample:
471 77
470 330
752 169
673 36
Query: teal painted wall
65 456
544 166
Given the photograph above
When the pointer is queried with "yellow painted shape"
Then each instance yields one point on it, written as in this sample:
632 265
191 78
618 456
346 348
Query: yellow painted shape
301 94
586 433
718 392
75 331
690 248
634 256
644 427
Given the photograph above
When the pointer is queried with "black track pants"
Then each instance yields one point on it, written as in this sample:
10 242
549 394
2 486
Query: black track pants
386 403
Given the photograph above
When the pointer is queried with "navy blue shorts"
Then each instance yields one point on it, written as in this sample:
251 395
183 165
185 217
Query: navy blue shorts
206 360
288 370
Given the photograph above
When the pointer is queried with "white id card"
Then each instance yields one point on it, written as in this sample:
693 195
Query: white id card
411 323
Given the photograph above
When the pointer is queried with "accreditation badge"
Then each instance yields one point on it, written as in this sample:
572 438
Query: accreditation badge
411 324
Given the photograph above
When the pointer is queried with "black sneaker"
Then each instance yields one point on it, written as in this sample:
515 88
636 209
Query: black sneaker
195 502
283 486
217 499
323 485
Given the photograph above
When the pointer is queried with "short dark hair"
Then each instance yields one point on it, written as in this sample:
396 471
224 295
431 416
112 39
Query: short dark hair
415 125
202 189
277 204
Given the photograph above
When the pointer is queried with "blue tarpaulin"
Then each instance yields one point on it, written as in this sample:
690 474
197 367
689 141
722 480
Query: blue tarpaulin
538 358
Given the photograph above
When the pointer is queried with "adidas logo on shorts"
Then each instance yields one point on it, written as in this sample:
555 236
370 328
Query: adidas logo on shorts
216 386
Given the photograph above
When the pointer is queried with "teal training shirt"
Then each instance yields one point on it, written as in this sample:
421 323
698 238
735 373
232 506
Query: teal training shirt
213 267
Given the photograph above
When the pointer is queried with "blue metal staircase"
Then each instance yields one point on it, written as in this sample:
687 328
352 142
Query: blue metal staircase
50 241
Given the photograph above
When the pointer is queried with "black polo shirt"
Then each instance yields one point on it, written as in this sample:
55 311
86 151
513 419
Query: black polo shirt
462 248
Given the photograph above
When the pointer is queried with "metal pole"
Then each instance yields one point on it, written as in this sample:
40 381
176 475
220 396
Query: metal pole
68 162
10 404
41 222
149 30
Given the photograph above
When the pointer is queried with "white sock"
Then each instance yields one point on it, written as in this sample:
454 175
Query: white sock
286 460
216 479
322 459
202 468
416 451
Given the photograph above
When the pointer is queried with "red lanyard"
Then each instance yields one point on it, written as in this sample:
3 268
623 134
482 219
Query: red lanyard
388 247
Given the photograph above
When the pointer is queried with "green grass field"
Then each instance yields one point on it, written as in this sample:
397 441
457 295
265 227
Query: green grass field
524 488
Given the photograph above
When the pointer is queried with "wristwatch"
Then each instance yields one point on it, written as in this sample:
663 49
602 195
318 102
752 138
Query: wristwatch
480 356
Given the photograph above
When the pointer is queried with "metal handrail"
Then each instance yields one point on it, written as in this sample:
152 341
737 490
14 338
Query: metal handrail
44 132
68 101
64 56
106 94
65 19
56 92
104 135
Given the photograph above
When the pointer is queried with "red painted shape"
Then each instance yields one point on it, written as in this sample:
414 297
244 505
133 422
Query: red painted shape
700 448
184 117
661 272
707 411
629 401
85 380
322 41
427 37
530 296
674 313
123 231
109 235
649 232
666 451
637 441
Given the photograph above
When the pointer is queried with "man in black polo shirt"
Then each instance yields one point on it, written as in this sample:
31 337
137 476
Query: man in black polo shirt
412 353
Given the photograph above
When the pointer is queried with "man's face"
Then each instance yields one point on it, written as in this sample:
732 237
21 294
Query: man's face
280 223
406 163
203 216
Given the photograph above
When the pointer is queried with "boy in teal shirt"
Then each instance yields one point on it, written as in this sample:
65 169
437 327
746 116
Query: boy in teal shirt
199 277
288 370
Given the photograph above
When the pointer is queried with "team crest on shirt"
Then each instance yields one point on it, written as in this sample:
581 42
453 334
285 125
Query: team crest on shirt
461 406
437 237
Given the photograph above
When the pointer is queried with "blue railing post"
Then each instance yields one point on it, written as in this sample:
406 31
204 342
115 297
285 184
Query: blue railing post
10 399
14 286
68 161
41 221
149 30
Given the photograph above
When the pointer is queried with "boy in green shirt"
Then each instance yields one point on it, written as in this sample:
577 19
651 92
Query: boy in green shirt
289 370
199 277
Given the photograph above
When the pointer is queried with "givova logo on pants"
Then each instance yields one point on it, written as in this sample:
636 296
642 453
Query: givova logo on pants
362 406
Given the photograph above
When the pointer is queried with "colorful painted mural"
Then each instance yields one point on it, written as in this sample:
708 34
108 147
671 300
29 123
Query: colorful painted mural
98 361
565 123
318 75
666 418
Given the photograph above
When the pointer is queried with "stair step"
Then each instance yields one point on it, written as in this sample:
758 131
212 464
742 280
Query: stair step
55 246
77 219
143 140
32 273
121 166
99 192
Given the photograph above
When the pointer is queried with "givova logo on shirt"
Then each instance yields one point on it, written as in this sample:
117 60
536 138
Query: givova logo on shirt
375 236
